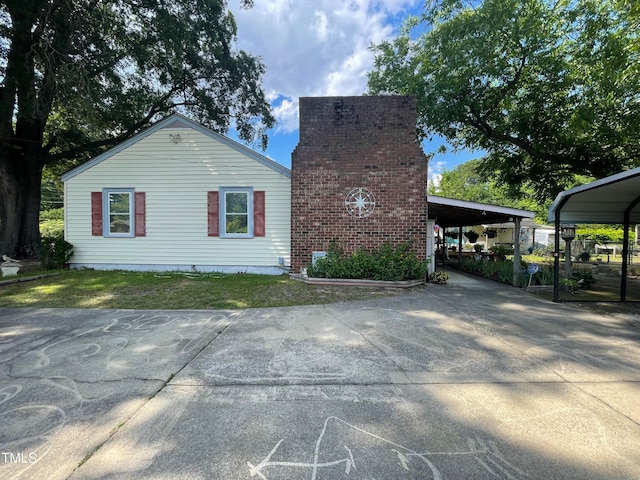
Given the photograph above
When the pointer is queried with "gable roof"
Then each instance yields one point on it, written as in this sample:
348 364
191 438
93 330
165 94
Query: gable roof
603 201
176 120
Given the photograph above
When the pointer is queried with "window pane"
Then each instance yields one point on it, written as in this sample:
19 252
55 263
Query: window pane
236 202
119 224
119 203
237 224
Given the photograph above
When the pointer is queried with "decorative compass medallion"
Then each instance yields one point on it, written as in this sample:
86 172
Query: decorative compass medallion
360 202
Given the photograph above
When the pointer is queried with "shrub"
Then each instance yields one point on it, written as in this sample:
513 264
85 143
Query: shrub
54 253
386 263
569 285
501 250
52 223
584 256
584 279
439 277
52 214
52 228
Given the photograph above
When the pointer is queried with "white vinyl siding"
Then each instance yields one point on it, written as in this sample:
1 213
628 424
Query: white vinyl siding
176 178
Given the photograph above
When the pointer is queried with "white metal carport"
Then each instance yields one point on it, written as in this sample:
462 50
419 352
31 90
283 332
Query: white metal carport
610 200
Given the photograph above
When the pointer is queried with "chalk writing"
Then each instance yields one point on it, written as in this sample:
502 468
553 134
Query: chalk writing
481 453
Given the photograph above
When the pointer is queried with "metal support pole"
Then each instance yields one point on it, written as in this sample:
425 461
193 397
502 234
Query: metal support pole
567 259
516 253
556 259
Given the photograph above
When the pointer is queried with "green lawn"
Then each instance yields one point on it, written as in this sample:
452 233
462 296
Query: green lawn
174 291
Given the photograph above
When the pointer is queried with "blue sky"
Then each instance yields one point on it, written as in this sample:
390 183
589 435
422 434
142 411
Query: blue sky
321 48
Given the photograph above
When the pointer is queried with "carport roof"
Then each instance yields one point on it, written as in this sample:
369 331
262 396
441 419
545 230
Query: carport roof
602 201
450 212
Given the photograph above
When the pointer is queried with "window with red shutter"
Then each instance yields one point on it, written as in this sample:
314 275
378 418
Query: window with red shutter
236 212
118 212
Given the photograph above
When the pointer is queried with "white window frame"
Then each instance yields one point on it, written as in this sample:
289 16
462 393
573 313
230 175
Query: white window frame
106 213
223 212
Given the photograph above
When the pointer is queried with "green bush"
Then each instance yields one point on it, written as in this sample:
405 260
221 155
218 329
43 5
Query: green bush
502 271
569 285
52 228
52 214
385 263
55 253
584 279
439 277
52 223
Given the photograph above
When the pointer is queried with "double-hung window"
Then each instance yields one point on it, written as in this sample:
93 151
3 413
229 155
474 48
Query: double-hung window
236 220
119 213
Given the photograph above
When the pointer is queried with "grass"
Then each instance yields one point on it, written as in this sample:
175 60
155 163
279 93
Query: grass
174 291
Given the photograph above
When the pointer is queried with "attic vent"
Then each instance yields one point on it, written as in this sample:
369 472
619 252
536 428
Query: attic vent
177 124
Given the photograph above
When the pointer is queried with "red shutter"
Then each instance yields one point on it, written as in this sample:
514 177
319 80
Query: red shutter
141 214
212 214
96 213
258 214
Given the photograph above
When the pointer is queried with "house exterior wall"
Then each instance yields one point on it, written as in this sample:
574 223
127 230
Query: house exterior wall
348 143
176 179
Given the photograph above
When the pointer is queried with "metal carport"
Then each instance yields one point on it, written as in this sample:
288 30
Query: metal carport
610 200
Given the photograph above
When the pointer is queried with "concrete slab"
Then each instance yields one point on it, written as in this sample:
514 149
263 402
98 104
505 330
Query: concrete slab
69 378
469 380
400 432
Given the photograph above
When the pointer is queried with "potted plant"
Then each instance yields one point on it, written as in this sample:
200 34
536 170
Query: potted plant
477 248
472 236
499 252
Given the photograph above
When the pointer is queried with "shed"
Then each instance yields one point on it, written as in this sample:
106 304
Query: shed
179 196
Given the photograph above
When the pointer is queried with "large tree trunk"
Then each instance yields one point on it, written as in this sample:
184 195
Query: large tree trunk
20 182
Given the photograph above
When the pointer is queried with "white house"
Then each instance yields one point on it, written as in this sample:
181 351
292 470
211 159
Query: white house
179 196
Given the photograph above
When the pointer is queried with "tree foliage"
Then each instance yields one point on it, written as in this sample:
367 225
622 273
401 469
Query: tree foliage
550 89
77 76
468 182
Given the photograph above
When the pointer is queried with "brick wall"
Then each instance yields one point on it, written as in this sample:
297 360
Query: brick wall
348 143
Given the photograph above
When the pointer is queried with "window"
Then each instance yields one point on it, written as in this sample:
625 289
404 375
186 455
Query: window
119 213
237 212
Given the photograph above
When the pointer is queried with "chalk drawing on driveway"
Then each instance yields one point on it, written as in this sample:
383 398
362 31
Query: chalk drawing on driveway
395 459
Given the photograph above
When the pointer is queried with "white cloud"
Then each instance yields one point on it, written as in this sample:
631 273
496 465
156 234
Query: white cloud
318 48
435 172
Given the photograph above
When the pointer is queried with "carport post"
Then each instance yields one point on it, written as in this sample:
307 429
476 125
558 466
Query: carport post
556 259
625 249
516 252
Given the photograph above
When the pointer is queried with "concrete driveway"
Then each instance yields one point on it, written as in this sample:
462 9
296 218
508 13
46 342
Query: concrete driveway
473 380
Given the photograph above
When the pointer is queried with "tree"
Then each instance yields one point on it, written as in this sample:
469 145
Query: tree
467 182
77 76
601 235
550 89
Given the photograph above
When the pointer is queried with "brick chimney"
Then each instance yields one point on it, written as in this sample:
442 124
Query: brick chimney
358 176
